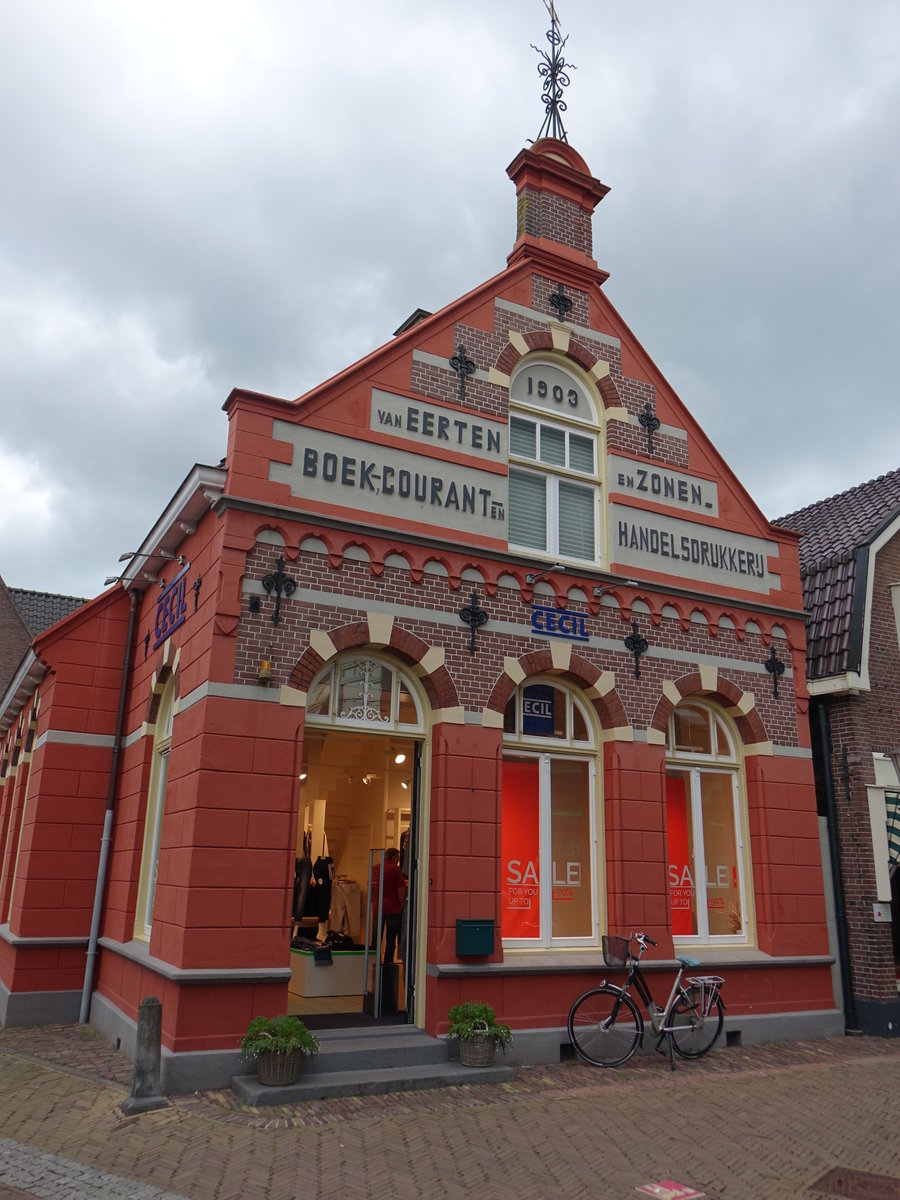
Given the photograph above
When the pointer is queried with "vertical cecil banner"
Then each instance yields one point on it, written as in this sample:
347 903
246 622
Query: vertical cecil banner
520 850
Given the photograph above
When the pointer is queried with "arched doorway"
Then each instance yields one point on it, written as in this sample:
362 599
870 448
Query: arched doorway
358 799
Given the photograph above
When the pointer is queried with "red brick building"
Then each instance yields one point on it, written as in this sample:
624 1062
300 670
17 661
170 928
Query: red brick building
490 593
850 567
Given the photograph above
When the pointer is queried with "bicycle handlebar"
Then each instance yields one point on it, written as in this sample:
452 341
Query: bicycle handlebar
644 938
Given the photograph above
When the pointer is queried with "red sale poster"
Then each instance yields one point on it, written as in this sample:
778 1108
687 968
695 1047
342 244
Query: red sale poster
520 849
681 882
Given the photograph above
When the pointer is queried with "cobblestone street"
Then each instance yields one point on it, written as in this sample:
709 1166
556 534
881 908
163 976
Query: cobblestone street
760 1122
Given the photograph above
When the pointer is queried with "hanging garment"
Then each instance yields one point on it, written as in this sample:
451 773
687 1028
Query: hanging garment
302 875
323 874
345 906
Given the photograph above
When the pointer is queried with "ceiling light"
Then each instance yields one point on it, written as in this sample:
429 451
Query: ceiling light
399 758
405 786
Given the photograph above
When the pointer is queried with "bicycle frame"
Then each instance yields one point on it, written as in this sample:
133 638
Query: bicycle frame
709 987
654 1012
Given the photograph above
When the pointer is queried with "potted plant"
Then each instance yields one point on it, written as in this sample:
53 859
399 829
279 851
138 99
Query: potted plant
278 1044
479 1033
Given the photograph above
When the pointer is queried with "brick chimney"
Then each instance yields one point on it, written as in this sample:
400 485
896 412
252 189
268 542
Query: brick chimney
556 198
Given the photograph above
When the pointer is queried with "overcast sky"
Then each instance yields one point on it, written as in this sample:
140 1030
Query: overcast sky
203 194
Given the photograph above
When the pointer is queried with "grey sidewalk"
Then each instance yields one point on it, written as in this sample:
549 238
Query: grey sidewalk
765 1122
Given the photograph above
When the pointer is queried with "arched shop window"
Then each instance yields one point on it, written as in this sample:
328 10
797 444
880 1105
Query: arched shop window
554 452
159 773
705 825
549 822
363 690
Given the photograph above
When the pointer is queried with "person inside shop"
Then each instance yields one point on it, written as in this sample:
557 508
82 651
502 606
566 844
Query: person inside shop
391 901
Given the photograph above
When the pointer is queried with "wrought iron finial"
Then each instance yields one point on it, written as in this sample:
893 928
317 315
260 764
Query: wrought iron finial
463 367
281 584
561 302
637 645
553 70
474 616
651 423
775 667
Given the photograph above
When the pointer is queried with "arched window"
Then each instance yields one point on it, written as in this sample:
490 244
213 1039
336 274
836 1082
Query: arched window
549 822
159 772
363 690
553 463
705 826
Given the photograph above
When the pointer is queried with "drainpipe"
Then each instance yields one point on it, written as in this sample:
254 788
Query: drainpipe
836 877
107 822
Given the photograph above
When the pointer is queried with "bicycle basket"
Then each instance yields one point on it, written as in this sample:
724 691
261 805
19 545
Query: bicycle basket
615 950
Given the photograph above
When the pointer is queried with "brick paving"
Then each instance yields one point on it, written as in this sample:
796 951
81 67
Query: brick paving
760 1122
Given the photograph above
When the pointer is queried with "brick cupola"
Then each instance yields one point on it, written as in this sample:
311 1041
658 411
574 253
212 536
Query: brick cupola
556 198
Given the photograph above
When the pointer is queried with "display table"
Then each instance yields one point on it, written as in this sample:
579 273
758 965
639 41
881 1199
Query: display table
343 977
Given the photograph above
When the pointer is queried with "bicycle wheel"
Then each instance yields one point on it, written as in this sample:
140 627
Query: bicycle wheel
693 1031
604 1026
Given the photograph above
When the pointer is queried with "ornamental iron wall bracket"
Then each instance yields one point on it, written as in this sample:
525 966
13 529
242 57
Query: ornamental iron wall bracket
637 645
775 667
651 423
561 302
463 367
474 617
281 584
197 584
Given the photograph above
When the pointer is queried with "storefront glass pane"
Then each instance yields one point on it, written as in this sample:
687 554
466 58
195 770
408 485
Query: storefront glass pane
522 438
691 726
723 896
319 700
679 825
570 848
581 453
576 520
520 848
553 446
527 510
364 691
406 706
579 726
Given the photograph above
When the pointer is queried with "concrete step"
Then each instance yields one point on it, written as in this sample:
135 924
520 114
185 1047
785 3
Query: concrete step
376 1050
366 1082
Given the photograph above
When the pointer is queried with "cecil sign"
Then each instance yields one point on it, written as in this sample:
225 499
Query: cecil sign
559 622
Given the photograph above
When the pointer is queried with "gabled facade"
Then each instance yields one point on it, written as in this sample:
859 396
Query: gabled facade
850 566
491 595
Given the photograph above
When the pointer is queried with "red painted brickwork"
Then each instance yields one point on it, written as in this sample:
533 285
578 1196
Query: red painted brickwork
59 842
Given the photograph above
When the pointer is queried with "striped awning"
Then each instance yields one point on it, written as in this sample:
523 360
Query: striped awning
892 805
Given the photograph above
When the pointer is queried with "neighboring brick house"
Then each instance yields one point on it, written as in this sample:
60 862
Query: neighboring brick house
850 567
489 593
15 637
23 615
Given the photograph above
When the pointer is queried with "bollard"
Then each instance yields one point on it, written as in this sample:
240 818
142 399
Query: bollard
146 1084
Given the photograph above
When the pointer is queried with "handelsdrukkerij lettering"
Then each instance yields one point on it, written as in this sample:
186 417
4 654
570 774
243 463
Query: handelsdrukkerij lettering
398 481
698 551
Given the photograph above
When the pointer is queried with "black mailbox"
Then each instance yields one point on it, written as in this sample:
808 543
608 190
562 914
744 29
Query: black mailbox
474 937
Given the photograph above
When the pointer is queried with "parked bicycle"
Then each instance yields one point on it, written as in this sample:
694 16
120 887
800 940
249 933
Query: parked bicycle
606 1026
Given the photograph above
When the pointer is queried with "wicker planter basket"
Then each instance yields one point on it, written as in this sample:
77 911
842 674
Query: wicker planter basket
478 1050
279 1069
